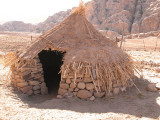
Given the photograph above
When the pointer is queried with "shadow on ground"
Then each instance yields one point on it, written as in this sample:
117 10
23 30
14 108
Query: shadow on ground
127 103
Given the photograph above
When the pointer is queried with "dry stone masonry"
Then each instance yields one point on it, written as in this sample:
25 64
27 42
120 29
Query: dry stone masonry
28 78
82 86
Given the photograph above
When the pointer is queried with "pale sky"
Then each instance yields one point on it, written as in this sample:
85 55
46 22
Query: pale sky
33 11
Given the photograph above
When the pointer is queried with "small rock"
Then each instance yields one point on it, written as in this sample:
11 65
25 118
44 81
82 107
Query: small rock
76 89
37 92
20 80
26 89
68 81
41 79
72 85
116 91
89 86
81 85
23 84
62 91
151 87
65 94
64 86
33 82
69 94
44 89
123 89
92 98
158 86
30 92
59 96
158 70
37 87
75 93
99 94
71 89
84 94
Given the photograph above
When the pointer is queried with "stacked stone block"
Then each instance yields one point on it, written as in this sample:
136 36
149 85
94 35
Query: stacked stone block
28 78
83 87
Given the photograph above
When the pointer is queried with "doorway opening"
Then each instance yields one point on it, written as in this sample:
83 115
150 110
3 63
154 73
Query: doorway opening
51 63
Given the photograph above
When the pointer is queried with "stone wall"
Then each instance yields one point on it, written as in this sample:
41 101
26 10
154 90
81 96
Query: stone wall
28 78
84 88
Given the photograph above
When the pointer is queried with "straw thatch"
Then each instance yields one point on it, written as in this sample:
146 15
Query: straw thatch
106 64
73 32
88 52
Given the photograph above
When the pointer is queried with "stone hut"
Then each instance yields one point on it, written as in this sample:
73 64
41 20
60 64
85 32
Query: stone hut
72 59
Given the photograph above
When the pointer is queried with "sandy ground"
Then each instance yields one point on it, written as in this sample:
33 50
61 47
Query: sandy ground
129 105
145 44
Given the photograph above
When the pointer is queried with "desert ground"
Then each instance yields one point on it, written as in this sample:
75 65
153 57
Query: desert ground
129 105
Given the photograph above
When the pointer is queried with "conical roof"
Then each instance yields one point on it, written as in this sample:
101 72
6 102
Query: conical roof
74 32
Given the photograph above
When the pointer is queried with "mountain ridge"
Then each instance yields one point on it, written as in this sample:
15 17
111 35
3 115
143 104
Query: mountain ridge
114 17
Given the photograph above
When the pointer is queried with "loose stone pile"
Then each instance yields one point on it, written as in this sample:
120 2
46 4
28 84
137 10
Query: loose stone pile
28 78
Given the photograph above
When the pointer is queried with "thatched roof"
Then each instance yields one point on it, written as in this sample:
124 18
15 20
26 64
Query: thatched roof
75 31
96 55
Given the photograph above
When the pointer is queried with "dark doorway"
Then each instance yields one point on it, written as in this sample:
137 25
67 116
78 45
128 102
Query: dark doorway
51 63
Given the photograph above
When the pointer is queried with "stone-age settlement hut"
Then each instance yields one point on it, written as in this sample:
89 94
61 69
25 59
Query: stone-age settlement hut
74 59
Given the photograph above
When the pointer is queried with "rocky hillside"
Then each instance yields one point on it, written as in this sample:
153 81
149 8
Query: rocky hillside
18 26
52 21
133 16
110 16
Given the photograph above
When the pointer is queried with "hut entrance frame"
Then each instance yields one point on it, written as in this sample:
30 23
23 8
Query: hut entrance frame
51 61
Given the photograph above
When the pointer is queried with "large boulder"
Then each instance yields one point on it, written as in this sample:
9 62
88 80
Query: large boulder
84 94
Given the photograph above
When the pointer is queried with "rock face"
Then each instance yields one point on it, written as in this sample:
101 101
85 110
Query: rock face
113 16
116 16
130 16
51 21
